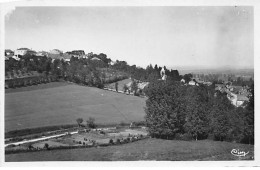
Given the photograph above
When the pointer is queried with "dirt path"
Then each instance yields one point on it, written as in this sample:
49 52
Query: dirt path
39 139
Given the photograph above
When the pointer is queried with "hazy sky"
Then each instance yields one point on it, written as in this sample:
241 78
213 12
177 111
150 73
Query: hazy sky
171 36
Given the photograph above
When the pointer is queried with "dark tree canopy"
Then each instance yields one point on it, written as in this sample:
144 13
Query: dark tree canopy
91 123
173 108
164 109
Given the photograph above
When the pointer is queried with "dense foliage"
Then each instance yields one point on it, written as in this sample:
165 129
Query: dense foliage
92 71
174 110
149 74
95 70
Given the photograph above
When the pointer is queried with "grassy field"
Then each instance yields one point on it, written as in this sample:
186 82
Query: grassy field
62 103
147 149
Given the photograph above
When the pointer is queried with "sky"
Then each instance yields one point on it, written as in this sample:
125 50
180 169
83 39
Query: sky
163 35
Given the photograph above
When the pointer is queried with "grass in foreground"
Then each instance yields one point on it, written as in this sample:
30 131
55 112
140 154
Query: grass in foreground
147 149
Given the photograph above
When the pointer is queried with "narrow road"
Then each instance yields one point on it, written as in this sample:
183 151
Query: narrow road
39 139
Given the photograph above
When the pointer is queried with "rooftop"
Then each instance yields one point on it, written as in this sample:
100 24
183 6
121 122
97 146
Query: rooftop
23 49
242 98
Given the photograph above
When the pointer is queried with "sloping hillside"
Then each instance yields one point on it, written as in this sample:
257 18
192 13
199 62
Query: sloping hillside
64 104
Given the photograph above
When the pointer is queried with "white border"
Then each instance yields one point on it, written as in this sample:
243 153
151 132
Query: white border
254 3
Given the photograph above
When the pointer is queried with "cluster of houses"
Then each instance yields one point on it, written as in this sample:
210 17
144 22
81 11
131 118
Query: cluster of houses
195 82
54 54
238 95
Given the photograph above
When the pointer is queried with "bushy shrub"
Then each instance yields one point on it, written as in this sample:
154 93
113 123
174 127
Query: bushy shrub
122 123
140 123
211 136
185 137
46 146
111 141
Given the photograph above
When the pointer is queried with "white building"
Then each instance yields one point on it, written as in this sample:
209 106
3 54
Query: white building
237 99
21 51
193 83
182 81
163 75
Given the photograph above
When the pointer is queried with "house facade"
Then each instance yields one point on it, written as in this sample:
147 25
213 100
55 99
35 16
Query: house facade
237 99
193 83
21 51
9 53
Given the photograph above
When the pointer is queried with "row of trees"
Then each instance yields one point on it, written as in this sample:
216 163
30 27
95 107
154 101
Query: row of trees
173 109
82 71
96 70
29 81
149 74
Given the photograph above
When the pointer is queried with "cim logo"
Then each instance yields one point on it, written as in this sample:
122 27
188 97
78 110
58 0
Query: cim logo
237 152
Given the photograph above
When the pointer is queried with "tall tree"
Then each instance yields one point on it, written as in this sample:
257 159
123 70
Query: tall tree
187 77
116 86
125 88
164 109
197 112
220 121
134 87
91 123
79 121
249 118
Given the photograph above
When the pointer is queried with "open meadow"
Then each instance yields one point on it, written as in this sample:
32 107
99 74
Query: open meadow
147 149
48 105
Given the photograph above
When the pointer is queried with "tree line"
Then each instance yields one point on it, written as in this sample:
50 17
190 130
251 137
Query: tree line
148 74
95 70
176 111
82 71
